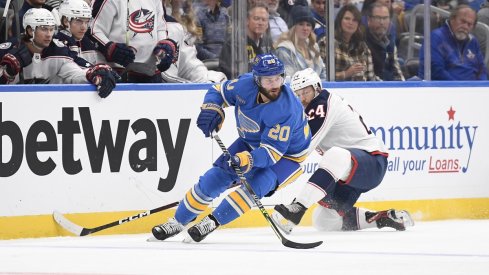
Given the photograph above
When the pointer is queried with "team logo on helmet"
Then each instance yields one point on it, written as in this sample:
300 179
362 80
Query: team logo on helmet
5 45
142 21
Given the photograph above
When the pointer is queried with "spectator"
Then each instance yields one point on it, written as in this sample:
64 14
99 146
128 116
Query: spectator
132 36
392 30
46 60
257 40
214 23
74 16
298 48
382 48
318 11
353 61
455 53
277 23
285 6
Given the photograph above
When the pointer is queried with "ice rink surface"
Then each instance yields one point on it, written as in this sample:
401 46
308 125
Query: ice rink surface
440 248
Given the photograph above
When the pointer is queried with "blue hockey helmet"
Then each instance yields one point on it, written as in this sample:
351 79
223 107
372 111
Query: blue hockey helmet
267 65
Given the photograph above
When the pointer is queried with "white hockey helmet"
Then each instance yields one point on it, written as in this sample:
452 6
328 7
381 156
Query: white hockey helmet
36 17
74 9
305 78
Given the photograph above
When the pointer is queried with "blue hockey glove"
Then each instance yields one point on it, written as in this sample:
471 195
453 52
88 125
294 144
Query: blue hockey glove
210 118
243 160
166 52
119 53
103 77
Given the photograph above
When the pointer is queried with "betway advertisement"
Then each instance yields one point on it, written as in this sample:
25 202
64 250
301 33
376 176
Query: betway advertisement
140 148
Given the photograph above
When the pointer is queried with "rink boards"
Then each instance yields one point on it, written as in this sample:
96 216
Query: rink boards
63 148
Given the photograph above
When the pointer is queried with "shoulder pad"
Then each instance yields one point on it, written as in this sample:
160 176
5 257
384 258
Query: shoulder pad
58 43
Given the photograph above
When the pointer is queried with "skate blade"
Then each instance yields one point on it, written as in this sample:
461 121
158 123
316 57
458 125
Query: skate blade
187 238
285 225
153 239
405 217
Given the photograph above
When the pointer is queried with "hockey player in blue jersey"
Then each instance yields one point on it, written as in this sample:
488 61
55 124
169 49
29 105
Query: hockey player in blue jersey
273 139
354 161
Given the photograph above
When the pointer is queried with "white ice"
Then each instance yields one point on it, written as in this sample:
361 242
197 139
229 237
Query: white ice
442 247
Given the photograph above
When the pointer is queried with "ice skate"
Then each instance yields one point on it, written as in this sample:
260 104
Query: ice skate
397 219
199 231
166 230
288 216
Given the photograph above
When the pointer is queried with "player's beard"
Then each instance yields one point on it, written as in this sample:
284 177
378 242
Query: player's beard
271 94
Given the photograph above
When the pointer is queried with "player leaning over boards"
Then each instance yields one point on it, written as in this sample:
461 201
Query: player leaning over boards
273 140
354 161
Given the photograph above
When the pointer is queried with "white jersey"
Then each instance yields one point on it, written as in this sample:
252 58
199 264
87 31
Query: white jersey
53 66
138 24
334 122
188 68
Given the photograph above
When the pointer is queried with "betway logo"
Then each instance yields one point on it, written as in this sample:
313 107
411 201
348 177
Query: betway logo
67 128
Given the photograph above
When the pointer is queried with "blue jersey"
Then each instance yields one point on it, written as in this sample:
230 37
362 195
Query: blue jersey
273 130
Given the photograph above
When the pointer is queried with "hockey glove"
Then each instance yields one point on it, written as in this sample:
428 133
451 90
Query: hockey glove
16 59
243 160
166 52
119 53
210 118
103 77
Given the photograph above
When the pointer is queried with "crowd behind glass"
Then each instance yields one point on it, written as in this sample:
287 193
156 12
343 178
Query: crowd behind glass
371 39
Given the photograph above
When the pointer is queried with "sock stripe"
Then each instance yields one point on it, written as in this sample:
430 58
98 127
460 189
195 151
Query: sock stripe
194 203
242 202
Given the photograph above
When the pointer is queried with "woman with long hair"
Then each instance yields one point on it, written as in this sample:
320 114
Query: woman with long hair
298 48
353 60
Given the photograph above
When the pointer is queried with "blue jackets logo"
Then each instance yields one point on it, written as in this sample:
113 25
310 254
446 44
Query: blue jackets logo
142 21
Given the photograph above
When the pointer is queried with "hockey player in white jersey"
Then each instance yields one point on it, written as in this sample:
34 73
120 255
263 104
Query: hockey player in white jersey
74 17
42 59
132 36
354 161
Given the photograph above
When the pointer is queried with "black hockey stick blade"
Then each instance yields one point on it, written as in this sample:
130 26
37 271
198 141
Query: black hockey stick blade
291 244
286 242
83 231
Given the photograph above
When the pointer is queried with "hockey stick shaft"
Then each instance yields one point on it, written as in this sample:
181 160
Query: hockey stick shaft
83 231
5 11
256 200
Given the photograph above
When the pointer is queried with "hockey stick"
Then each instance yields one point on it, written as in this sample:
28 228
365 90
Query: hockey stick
285 241
83 231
